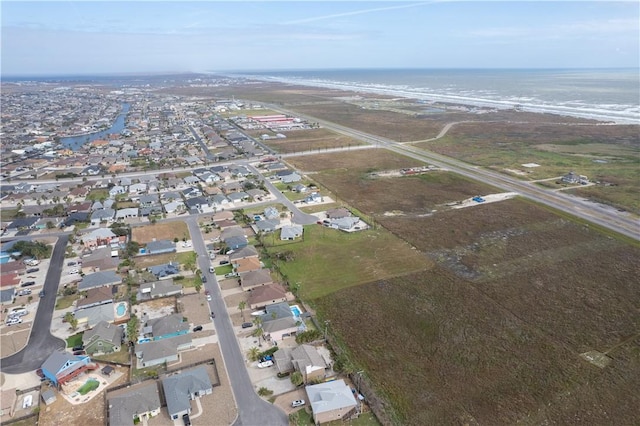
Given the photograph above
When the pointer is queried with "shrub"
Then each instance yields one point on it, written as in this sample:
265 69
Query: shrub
264 391
308 336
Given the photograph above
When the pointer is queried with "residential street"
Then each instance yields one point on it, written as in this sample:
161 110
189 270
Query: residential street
41 343
252 409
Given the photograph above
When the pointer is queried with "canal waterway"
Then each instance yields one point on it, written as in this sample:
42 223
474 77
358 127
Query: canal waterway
74 143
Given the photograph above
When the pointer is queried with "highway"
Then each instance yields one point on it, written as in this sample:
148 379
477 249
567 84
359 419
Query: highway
252 410
593 212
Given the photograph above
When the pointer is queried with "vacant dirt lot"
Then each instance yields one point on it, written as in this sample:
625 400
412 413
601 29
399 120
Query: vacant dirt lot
160 231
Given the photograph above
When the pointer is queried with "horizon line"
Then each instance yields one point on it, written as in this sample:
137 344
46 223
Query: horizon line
280 70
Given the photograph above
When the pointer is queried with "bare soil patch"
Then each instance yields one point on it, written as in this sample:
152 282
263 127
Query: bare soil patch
160 231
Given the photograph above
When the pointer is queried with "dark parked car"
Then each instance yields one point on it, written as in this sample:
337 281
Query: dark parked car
186 420
204 279
41 294
28 283
32 270
71 264
224 262
247 324
197 328
78 348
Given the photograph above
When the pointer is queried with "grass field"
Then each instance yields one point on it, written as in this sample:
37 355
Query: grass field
185 259
312 139
319 264
98 194
160 231
491 329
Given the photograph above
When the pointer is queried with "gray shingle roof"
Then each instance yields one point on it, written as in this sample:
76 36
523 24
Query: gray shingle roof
179 388
138 400
330 396
99 279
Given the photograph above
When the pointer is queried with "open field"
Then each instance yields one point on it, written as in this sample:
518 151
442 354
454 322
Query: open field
609 154
512 295
318 260
185 258
363 161
307 140
160 231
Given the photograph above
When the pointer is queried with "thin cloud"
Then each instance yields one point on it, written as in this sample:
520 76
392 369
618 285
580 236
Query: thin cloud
353 13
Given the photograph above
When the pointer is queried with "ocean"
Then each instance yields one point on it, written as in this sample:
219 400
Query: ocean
604 94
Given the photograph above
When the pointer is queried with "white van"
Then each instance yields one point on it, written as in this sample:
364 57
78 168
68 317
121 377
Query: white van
18 312
211 270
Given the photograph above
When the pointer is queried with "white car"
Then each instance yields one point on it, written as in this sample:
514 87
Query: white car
73 271
209 297
14 320
265 364
298 403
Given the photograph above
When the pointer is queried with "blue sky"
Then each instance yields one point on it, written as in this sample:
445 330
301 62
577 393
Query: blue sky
87 37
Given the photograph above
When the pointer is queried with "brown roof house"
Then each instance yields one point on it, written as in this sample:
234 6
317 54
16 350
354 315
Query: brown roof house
256 278
246 265
266 295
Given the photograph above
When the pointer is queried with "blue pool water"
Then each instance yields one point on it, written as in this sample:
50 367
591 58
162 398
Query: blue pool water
4 257
121 309
295 310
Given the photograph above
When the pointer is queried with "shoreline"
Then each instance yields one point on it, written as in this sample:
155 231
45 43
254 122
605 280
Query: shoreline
607 117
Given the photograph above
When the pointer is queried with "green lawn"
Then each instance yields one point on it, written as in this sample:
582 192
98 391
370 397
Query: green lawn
90 385
65 301
319 259
121 356
98 194
75 340
190 281
225 269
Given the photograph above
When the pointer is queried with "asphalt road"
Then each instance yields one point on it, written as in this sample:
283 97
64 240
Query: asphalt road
202 144
299 217
252 410
41 343
594 212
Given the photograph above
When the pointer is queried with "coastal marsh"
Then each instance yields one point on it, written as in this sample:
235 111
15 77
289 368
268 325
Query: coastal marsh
507 290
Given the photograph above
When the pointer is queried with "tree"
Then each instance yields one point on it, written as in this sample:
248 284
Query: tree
198 286
132 248
36 249
297 379
253 354
259 331
241 306
50 225
132 328
72 320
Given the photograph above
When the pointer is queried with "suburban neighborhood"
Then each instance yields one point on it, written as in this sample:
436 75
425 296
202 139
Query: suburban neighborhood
163 220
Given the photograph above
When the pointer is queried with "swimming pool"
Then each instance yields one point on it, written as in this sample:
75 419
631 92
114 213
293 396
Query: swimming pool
121 309
295 310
